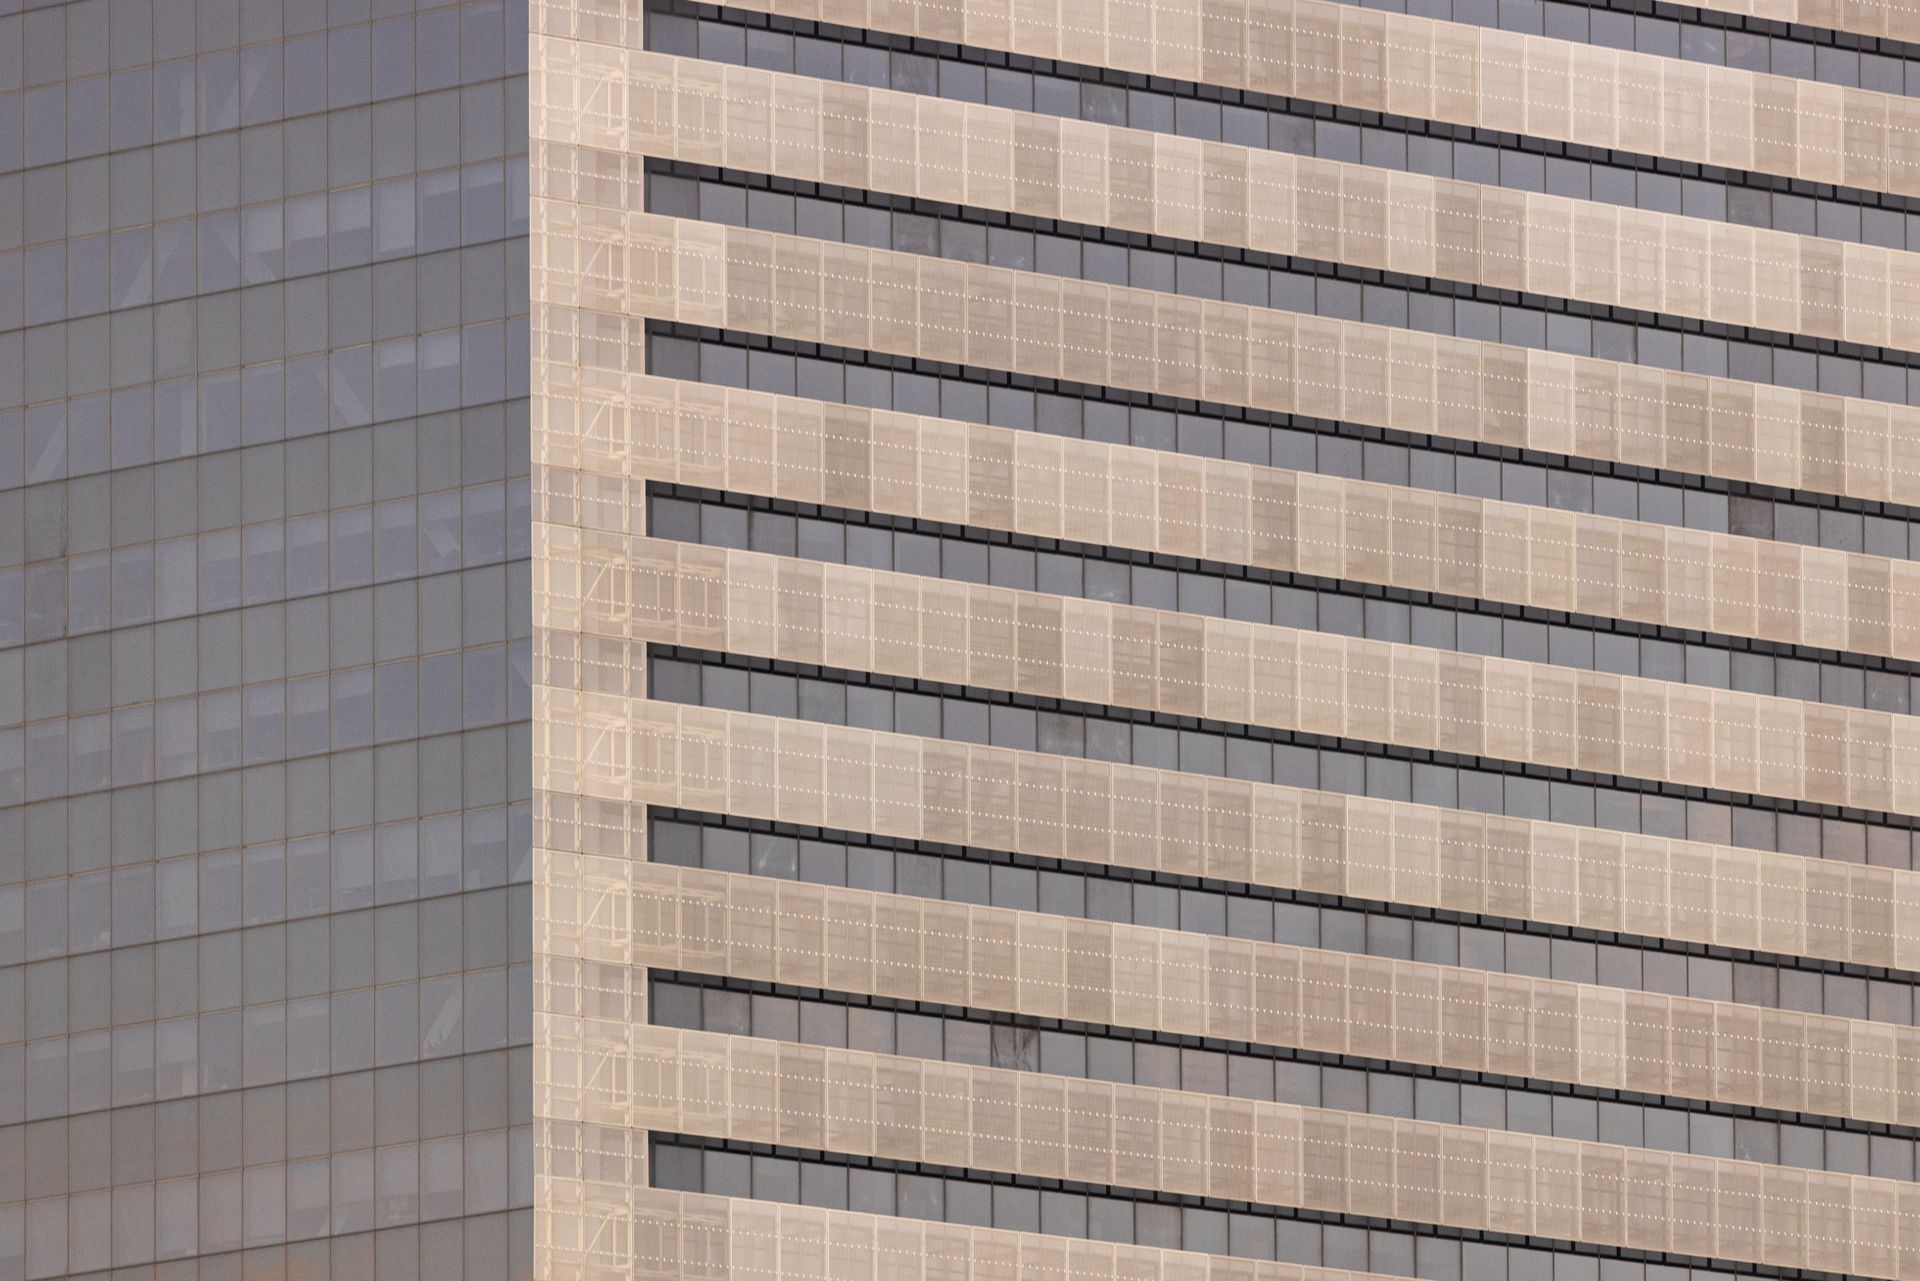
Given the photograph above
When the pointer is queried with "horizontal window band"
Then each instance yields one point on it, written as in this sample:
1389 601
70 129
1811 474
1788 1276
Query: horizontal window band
874 381
1133 1136
802 1230
1308 287
1334 923
1186 824
1255 208
1267 677
1232 1236
1861 50
442 1068
1891 28
649 268
1415 67
1042 965
1078 90
1104 1052
1872 44
1099 571
1210 747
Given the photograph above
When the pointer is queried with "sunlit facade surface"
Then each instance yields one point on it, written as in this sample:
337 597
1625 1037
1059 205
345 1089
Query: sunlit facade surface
265 857
1202 639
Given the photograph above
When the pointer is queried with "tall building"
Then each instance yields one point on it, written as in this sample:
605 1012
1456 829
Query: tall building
1226 638
265 1009
1087 640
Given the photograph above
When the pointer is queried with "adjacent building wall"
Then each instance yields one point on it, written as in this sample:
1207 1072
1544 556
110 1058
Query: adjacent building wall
264 826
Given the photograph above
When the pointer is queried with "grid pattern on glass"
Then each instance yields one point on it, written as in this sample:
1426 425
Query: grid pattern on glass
120 684
1228 512
399 1150
141 706
953 153
92 78
283 240
971 554
1031 643
263 930
1042 965
269 522
352 990
1440 465
631 752
1026 1123
1102 1052
1496 80
1077 91
639 266
1096 891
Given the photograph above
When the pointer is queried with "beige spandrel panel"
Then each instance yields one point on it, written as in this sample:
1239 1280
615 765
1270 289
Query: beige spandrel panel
1889 19
1031 1124
1191 825
610 23
1276 677
609 1231
600 21
1349 56
631 426
1032 964
959 153
933 309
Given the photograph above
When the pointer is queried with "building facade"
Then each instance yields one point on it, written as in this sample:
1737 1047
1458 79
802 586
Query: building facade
265 1009
1226 638
817 639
